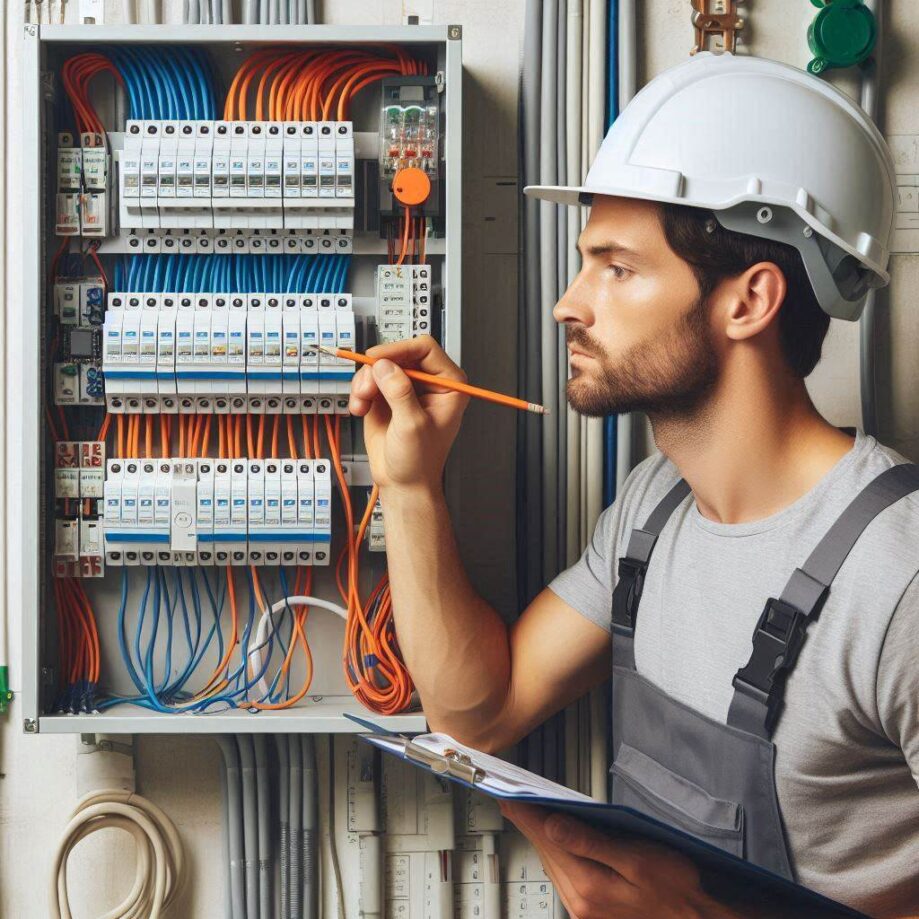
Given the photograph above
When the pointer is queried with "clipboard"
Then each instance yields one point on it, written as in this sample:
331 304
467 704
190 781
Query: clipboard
725 876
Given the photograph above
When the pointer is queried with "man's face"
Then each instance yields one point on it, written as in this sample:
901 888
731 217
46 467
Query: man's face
638 334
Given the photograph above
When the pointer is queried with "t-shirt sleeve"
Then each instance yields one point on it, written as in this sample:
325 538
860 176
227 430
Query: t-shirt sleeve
898 678
587 585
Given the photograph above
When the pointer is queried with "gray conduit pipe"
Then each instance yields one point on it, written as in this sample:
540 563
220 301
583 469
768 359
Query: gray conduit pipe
310 828
250 12
561 353
280 744
226 12
563 129
225 810
284 13
529 503
296 825
234 819
301 12
311 12
627 78
265 893
573 58
250 821
867 333
548 282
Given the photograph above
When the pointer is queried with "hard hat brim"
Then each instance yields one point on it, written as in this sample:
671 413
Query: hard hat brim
571 195
559 194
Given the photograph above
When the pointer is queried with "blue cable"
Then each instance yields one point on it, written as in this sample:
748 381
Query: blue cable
610 436
188 107
122 635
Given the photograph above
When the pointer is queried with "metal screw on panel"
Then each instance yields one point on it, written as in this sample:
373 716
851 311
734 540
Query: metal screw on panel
30 726
808 232
454 31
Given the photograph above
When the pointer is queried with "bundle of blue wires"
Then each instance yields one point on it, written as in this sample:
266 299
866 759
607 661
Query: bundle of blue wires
166 83
162 273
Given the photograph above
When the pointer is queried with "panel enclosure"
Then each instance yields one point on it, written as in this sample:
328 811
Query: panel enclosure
31 576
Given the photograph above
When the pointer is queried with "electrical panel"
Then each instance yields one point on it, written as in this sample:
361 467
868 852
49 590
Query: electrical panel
216 217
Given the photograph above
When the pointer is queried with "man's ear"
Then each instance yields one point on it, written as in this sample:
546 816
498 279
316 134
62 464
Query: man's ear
754 299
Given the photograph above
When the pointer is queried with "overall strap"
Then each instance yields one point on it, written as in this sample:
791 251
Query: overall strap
632 569
759 687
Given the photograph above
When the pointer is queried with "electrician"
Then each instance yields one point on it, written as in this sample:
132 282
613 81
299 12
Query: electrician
737 205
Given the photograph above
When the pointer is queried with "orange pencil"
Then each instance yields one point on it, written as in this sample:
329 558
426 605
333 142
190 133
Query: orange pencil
422 377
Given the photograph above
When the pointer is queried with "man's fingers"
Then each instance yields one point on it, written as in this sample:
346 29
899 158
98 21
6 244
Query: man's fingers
363 392
636 860
399 393
580 839
422 353
363 384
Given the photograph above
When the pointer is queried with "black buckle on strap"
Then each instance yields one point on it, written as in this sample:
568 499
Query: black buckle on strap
777 642
628 592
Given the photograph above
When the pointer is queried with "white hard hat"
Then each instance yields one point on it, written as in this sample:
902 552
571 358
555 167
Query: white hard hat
773 151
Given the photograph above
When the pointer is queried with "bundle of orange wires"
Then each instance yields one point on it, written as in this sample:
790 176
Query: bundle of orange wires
373 666
76 75
312 85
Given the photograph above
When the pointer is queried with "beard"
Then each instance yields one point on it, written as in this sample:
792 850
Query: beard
670 376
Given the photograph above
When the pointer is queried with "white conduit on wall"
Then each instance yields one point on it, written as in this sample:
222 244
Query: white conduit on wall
628 77
871 76
594 717
560 491
253 12
548 284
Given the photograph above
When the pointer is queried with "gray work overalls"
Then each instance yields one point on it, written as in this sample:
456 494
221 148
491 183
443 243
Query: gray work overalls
717 781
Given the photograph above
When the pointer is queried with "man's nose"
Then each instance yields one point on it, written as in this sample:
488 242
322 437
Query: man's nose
573 307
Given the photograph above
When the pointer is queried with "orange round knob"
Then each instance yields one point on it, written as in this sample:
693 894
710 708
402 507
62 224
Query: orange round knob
411 186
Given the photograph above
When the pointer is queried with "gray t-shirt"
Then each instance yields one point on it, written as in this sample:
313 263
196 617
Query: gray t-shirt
847 744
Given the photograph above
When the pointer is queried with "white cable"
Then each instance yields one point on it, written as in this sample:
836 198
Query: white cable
255 659
160 858
127 12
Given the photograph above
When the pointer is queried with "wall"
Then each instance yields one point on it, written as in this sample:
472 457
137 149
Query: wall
37 788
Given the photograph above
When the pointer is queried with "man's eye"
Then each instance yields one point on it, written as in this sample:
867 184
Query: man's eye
619 271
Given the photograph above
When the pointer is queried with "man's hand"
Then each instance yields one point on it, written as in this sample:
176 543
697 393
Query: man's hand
601 877
408 434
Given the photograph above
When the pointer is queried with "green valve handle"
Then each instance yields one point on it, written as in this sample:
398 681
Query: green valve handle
842 34
6 696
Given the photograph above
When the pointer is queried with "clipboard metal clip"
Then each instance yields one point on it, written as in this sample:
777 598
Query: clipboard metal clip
457 764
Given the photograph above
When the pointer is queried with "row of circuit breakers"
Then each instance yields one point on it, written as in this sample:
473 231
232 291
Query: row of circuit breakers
224 352
218 176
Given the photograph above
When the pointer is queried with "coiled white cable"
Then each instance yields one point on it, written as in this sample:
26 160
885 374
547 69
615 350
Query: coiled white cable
256 661
160 859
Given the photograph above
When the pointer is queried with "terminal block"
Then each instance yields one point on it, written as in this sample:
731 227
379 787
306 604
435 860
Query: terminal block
403 296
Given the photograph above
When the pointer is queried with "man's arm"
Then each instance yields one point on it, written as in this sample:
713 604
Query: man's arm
481 682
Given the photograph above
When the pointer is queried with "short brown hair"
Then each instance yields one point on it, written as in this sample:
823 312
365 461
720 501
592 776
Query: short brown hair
716 254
